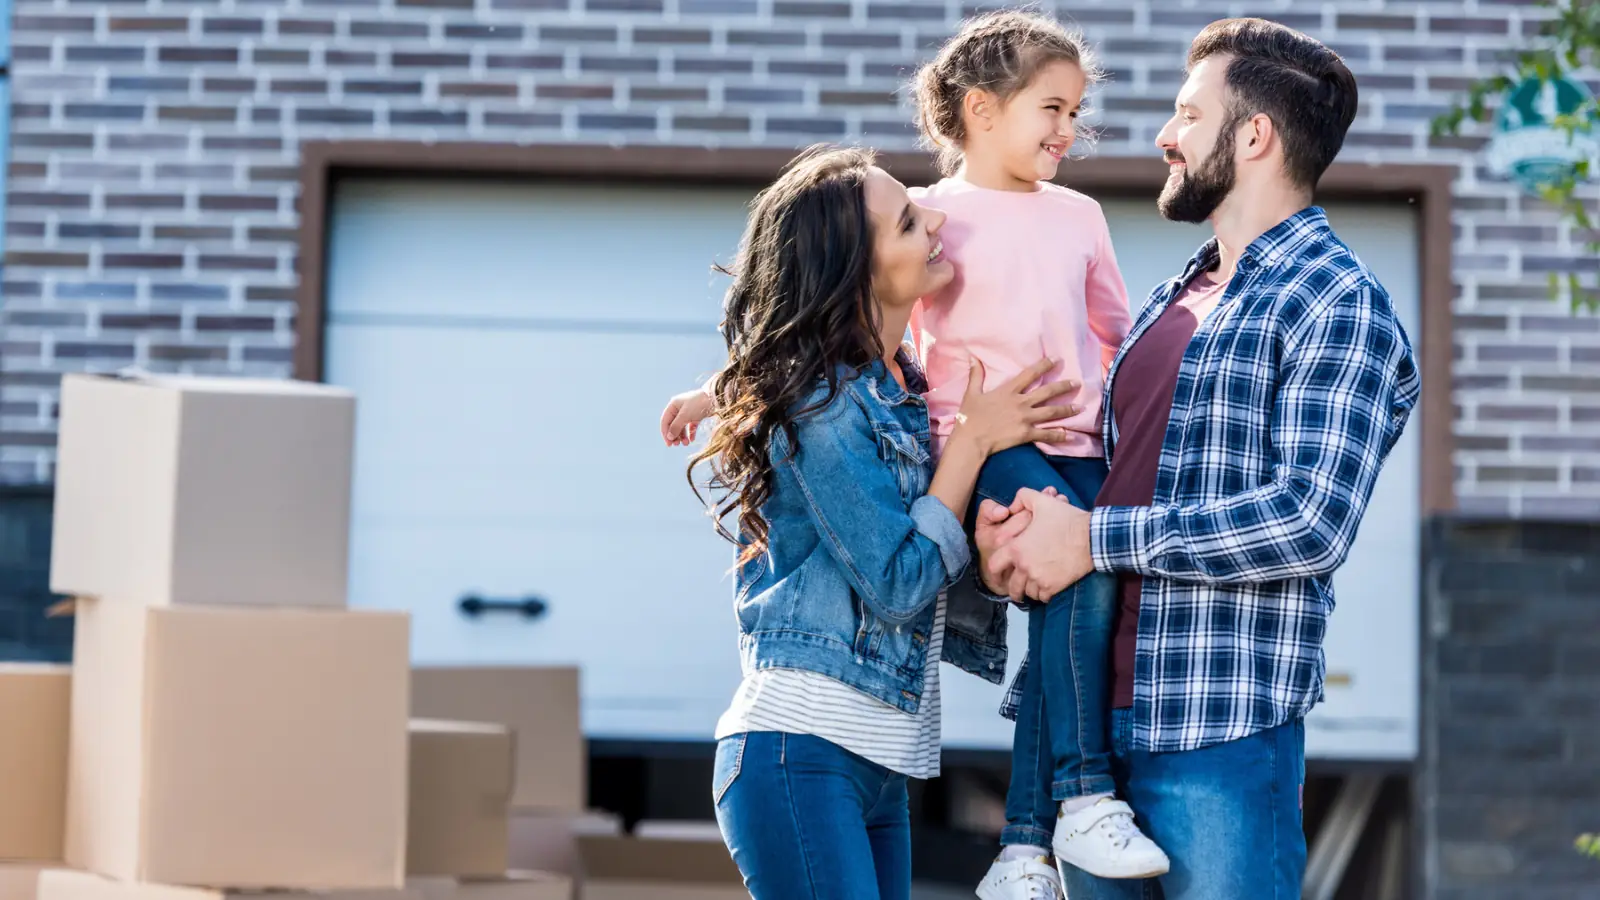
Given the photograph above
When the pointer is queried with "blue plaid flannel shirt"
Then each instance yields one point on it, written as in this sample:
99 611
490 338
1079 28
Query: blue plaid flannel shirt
1288 400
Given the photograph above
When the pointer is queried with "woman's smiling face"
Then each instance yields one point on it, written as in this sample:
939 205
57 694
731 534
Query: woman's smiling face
908 260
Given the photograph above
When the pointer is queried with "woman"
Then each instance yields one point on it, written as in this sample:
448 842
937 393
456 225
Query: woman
847 535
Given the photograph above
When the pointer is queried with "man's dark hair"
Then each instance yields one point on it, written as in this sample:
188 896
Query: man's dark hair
1294 80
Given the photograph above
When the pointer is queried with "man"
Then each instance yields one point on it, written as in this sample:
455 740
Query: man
1248 415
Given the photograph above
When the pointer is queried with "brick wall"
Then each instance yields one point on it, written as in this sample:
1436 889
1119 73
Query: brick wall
150 214
1510 772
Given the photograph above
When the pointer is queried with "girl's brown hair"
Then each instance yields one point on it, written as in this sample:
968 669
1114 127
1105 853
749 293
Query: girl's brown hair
999 52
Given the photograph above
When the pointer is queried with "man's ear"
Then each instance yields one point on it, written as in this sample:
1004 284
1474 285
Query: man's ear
1256 137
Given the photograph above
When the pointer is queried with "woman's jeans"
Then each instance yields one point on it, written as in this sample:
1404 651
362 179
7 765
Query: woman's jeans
1061 748
806 819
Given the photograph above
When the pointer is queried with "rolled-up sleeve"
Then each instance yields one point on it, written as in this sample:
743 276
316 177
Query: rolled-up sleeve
935 520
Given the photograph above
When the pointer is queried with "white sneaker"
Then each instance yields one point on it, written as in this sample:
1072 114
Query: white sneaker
1022 879
1103 841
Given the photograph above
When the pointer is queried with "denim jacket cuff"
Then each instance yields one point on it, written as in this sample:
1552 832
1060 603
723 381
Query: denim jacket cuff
940 525
1119 537
982 590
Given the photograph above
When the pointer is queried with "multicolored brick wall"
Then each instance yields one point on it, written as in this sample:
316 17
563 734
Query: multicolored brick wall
151 206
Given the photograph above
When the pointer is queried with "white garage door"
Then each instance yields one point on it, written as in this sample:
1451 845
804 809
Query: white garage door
511 346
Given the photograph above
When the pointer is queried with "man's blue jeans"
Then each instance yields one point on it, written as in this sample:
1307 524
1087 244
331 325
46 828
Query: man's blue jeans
1227 815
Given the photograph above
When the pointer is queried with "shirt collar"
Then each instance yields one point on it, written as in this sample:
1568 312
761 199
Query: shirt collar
888 386
1278 243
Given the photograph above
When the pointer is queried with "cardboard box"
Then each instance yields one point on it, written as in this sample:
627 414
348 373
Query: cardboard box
541 707
209 491
33 760
462 774
678 830
20 881
510 886
616 868
239 748
62 884
548 842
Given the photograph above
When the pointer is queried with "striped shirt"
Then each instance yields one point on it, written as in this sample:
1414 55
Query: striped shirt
801 702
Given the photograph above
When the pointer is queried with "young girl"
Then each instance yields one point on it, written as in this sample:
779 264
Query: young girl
1035 274
1000 105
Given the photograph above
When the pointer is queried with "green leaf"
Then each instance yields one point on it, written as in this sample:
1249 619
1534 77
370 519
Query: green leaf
1588 301
1447 123
1567 41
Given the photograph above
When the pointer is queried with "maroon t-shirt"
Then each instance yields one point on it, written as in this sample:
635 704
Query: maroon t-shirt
1141 403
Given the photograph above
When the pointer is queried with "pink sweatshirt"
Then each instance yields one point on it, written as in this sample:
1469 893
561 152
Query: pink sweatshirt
1035 277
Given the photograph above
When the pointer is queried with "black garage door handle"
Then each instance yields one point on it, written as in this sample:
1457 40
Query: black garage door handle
530 607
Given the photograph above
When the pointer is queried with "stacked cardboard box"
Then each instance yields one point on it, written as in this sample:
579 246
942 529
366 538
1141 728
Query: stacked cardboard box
20 880
550 827
33 773
510 886
538 704
661 868
541 707
462 774
235 728
233 724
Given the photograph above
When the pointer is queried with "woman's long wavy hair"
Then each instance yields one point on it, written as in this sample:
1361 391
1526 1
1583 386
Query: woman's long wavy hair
800 304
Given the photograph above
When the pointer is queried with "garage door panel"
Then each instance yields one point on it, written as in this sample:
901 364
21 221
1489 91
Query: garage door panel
646 613
606 253
468 425
647 620
628 587
509 463
616 598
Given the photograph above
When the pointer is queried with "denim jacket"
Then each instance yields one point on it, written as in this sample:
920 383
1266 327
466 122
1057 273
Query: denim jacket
858 553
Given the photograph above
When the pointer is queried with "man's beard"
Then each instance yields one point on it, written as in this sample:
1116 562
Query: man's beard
1197 194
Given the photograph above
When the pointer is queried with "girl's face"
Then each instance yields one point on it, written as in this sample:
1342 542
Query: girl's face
1032 132
908 260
